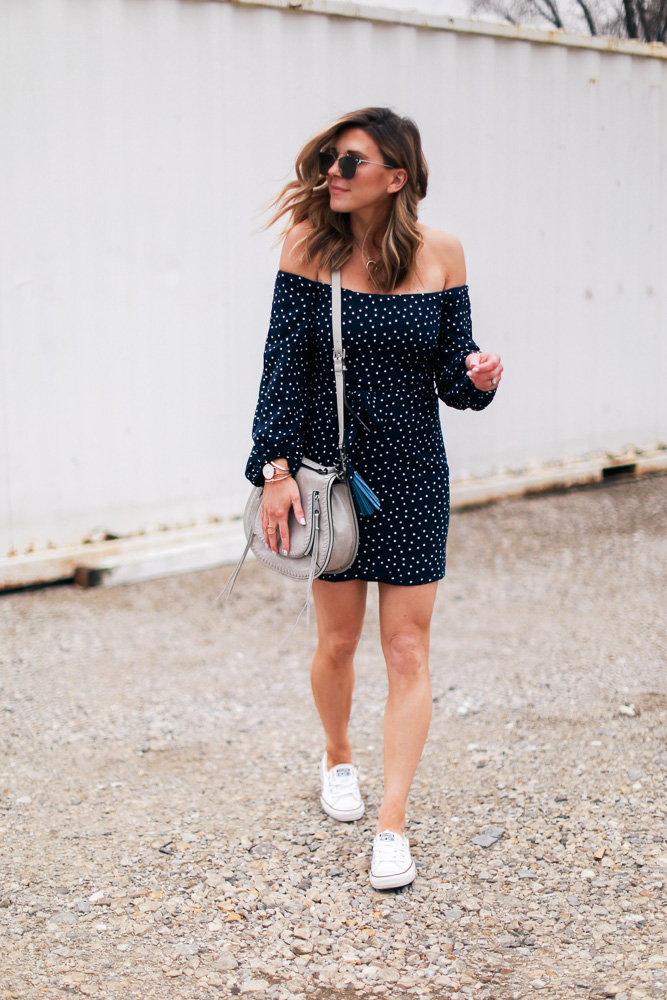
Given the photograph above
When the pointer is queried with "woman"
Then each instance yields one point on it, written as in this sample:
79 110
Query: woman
407 337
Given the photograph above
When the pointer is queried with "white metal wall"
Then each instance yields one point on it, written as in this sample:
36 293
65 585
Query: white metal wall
140 139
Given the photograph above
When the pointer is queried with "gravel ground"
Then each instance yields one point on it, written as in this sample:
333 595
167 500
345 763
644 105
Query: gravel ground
160 825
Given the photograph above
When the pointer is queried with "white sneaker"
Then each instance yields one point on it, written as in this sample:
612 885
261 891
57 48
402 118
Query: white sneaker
340 798
392 866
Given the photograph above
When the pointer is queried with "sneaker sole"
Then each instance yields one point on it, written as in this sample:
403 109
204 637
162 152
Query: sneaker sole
393 881
343 816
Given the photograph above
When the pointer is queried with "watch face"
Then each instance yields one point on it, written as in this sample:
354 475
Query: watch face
268 471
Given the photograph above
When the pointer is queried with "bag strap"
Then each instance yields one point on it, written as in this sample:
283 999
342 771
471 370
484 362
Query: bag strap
339 361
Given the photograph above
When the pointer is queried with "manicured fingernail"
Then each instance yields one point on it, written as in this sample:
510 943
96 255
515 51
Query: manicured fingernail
286 552
302 520
475 368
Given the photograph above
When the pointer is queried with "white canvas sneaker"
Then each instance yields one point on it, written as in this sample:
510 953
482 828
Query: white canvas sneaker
392 865
340 798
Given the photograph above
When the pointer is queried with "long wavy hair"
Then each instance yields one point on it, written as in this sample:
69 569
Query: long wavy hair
330 240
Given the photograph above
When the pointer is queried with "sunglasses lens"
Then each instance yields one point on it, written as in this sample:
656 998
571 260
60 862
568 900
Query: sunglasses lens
348 167
327 161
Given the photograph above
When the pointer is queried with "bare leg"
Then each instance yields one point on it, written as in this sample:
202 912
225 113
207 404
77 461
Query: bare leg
405 622
340 611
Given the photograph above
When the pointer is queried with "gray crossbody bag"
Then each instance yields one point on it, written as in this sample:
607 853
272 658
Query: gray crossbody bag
329 540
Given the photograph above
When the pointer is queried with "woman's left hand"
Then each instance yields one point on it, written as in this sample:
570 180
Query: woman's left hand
484 371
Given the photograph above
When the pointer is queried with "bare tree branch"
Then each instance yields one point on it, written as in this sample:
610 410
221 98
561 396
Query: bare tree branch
630 20
643 20
553 15
589 17
662 23
659 17
640 19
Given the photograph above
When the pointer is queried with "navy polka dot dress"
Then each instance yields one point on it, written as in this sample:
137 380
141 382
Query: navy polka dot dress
402 353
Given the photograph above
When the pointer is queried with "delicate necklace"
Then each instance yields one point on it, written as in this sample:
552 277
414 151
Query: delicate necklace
369 261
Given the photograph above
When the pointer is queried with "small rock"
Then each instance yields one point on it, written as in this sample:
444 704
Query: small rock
484 840
262 850
611 991
254 986
186 948
388 975
636 919
506 941
454 914
226 962
631 711
64 917
300 947
489 836
537 984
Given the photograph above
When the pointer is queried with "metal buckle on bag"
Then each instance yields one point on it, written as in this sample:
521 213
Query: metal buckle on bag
339 361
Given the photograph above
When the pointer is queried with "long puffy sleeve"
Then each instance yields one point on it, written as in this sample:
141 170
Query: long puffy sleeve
277 428
455 343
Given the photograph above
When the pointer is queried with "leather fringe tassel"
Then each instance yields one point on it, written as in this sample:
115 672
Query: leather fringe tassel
364 499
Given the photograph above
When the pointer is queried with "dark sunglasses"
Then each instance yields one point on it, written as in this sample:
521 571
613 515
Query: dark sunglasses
347 164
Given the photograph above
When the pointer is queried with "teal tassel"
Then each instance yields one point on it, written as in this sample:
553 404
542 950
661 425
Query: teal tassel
364 499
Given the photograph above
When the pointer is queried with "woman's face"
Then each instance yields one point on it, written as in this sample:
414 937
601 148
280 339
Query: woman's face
372 185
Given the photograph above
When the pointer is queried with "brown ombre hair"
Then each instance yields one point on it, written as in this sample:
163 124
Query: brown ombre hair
330 239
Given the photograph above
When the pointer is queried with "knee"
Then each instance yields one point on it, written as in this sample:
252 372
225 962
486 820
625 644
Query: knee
405 654
339 647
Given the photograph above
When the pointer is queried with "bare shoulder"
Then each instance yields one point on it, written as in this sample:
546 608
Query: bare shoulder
440 242
444 250
291 256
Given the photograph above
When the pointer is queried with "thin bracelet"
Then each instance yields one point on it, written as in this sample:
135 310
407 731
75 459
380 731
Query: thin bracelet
277 479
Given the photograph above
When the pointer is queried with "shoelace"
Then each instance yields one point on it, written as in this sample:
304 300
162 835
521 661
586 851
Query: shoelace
389 848
343 780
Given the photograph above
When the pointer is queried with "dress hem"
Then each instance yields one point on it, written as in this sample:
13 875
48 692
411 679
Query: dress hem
344 578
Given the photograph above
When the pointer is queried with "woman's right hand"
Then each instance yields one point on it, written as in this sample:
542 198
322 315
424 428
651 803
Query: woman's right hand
277 501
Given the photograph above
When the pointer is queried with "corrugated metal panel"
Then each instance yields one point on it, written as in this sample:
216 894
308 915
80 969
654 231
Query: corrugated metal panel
141 141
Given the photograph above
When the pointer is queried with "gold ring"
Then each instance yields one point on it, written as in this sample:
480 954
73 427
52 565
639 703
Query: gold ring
270 527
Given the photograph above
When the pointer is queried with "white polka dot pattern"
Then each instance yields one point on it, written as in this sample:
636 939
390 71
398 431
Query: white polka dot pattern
402 352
